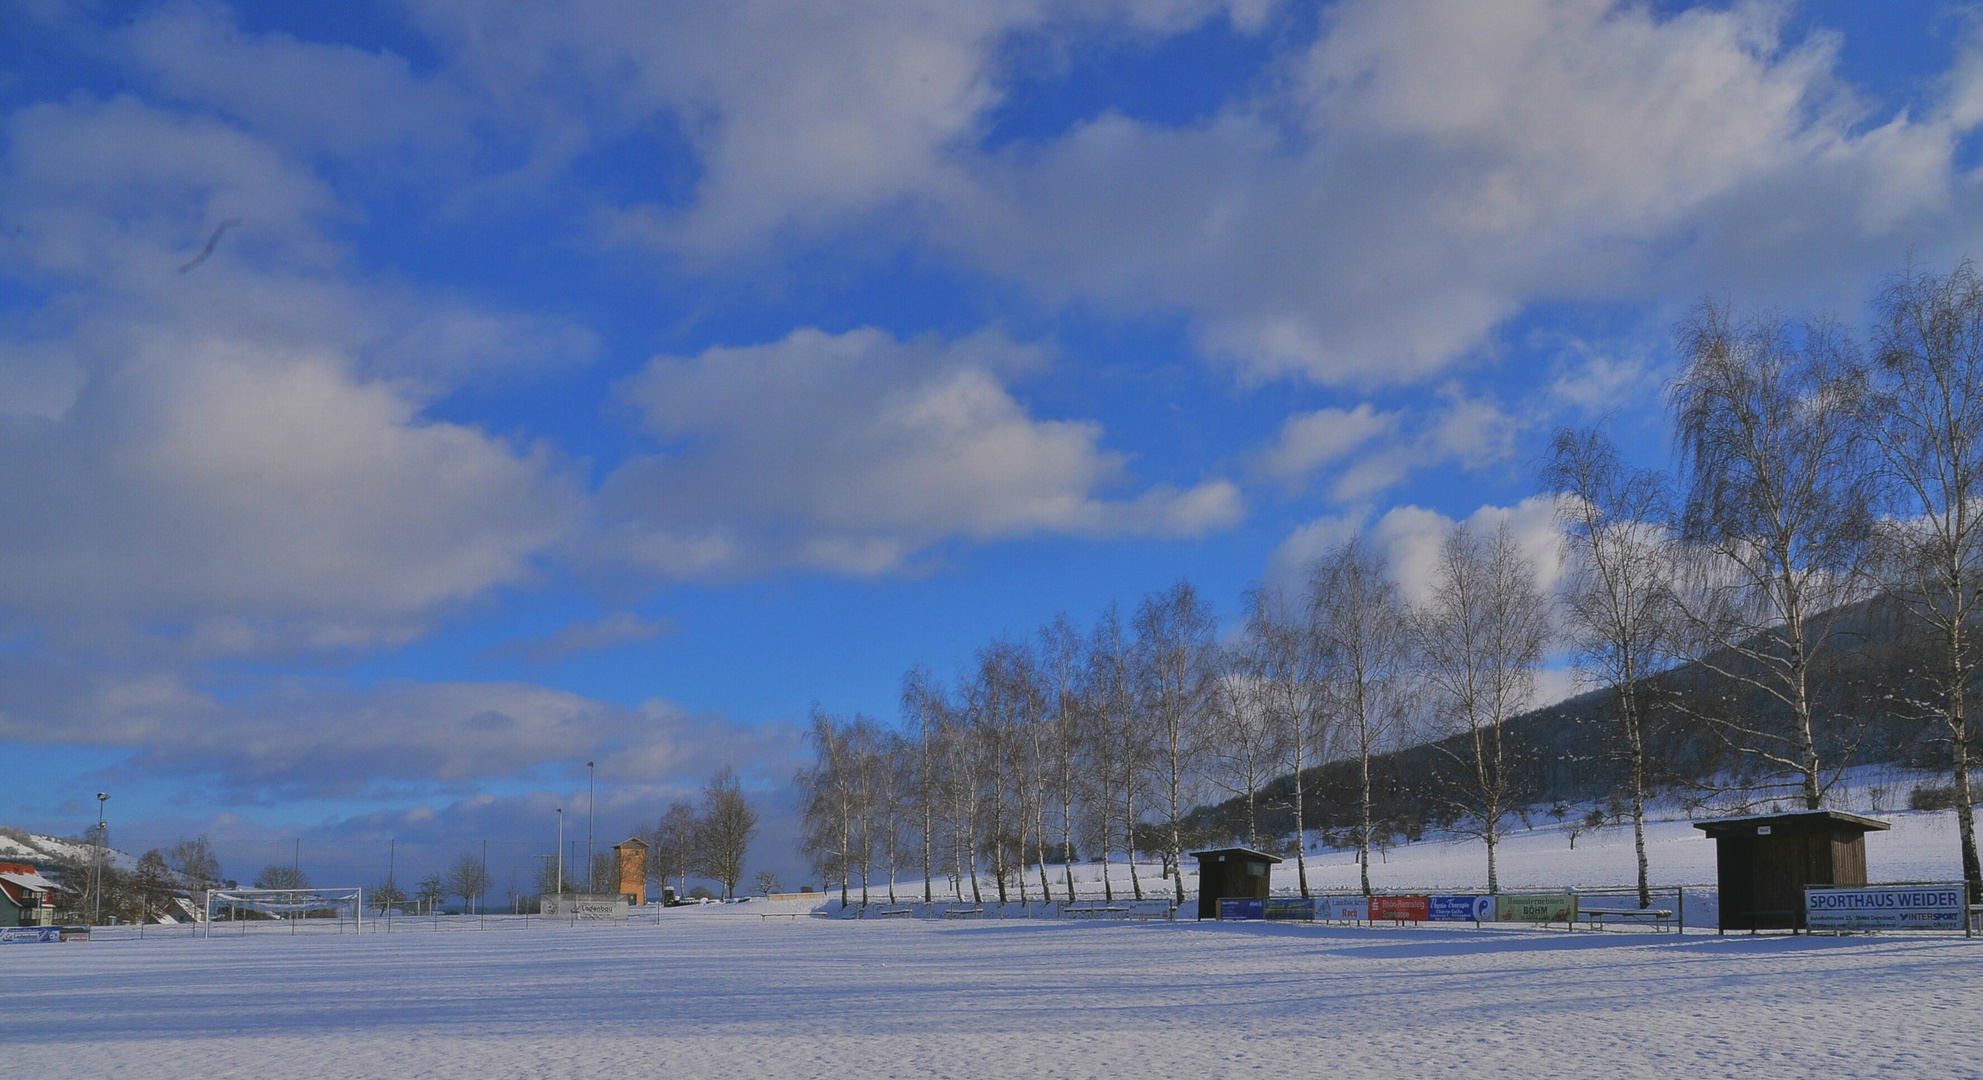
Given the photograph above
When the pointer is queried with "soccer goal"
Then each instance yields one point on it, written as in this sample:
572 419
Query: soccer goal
291 910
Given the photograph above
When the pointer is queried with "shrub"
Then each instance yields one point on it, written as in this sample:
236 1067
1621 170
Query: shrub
1932 797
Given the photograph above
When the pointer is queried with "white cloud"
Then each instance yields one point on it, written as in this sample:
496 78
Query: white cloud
803 116
1398 185
322 96
1425 170
1372 451
1409 538
854 452
240 454
1312 439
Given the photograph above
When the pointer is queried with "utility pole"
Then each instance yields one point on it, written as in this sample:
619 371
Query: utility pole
561 851
102 835
591 886
482 902
392 863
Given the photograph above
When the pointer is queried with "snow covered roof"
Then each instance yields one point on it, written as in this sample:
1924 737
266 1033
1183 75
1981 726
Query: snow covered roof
29 881
1803 820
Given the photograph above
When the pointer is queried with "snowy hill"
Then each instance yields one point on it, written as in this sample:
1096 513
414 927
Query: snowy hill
17 845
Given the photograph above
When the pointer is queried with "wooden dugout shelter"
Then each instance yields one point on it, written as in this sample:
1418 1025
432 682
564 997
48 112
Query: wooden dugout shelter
1763 863
1234 873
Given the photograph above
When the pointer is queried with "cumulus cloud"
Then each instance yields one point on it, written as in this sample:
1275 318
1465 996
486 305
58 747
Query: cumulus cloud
1367 452
801 115
1396 185
854 452
1409 538
1427 169
240 453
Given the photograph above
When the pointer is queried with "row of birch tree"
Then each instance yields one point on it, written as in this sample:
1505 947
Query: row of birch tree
1827 490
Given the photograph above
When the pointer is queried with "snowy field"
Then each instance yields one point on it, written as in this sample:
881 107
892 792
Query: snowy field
718 991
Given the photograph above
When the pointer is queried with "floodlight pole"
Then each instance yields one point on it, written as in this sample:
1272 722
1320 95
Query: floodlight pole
101 837
591 871
561 852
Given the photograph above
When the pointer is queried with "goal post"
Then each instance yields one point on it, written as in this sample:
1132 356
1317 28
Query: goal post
292 906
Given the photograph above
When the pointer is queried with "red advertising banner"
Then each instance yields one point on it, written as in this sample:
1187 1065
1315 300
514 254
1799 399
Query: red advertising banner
1402 908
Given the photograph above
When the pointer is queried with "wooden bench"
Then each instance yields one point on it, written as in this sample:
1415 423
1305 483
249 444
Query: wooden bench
781 914
1658 918
962 913
1167 913
886 912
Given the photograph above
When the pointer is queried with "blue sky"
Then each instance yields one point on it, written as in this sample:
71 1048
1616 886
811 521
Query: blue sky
614 381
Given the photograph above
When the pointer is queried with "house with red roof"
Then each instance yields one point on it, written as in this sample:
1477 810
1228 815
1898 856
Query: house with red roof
26 898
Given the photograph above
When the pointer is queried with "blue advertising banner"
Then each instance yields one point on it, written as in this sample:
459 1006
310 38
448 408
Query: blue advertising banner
25 935
1290 907
1242 909
1460 908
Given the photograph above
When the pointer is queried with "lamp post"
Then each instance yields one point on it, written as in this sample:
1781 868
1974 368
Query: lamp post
561 851
101 836
591 886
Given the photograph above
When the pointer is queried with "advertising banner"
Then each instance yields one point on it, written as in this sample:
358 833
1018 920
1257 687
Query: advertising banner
1400 908
1290 908
1242 909
1545 907
1343 909
27 935
1886 907
1460 908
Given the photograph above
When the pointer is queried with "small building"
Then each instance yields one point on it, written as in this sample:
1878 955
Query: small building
26 898
1234 873
630 857
1763 862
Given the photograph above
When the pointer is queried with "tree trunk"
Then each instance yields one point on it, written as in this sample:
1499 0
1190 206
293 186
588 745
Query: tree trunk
1363 816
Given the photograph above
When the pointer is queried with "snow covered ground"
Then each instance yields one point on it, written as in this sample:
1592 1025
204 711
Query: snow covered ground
719 991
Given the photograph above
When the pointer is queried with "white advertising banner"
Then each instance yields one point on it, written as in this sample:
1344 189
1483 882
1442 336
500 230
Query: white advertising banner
1885 907
1342 908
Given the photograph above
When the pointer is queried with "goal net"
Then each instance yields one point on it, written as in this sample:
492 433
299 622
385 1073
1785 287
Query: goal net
287 910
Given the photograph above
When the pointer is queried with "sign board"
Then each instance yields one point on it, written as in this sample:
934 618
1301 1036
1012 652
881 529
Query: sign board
1545 907
1399 908
1886 907
1460 908
25 935
1290 907
1343 908
1242 909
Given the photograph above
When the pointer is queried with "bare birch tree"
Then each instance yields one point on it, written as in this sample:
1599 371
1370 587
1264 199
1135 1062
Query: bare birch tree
1776 518
1108 741
1295 697
924 708
1175 667
1481 637
829 799
1246 751
1361 635
1618 596
1928 424
1064 662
